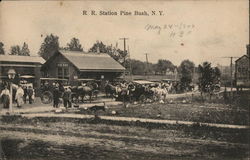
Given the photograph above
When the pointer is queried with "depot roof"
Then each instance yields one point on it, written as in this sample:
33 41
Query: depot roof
91 61
22 59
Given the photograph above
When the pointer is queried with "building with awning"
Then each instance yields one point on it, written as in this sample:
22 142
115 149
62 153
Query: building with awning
26 67
74 65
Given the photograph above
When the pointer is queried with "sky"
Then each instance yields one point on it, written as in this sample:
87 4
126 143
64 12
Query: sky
188 29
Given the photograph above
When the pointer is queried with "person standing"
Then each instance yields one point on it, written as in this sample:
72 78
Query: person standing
67 98
25 90
56 96
30 93
5 95
19 96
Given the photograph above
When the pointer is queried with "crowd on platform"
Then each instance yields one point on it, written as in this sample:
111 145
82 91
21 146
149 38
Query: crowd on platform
21 94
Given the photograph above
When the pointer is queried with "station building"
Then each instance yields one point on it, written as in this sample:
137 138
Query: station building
26 68
74 66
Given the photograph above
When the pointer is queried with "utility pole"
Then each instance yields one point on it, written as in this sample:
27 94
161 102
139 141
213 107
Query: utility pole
147 64
124 43
130 65
231 71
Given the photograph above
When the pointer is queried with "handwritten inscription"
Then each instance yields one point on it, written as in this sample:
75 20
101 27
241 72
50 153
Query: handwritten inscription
174 30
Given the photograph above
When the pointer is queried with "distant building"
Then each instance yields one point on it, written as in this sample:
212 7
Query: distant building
73 66
242 70
226 74
26 67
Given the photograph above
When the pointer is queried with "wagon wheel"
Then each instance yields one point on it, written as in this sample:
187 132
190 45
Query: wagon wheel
142 98
46 97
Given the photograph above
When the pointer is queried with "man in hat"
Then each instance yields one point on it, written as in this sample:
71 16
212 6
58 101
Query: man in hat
67 98
56 96
30 93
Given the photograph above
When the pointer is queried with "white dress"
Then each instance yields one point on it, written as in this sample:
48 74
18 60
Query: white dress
19 96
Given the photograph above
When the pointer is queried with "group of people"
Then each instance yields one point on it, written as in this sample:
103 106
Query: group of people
130 90
59 92
21 95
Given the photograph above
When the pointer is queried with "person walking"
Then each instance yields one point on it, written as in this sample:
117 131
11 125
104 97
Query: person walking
30 93
5 95
67 95
19 96
56 96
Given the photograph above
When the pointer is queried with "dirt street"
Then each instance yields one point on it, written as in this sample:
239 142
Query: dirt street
69 140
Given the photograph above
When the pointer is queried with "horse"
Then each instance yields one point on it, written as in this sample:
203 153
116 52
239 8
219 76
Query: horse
110 90
89 89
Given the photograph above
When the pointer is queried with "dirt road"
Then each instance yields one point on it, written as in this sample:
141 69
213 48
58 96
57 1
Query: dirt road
67 140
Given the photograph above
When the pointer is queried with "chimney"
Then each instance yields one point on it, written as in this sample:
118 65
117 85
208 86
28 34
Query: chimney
248 50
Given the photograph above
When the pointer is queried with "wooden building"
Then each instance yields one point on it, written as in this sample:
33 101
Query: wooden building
74 66
26 67
242 70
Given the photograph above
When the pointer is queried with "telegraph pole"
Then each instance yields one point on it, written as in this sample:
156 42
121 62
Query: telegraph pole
147 64
231 71
130 65
124 43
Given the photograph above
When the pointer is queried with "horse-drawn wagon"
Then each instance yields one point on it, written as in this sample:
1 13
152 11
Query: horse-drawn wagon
142 91
80 89
83 87
138 90
47 86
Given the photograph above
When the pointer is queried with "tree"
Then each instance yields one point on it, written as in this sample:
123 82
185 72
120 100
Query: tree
1 48
208 76
137 67
116 53
25 50
98 47
74 45
163 66
186 70
49 46
15 50
216 75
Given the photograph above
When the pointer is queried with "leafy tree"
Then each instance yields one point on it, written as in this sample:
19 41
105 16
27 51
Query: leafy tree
186 70
163 66
98 47
74 45
1 48
25 50
15 50
137 67
208 76
216 75
114 52
49 46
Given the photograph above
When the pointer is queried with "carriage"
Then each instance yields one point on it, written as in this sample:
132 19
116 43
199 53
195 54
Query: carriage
142 91
47 86
83 87
138 90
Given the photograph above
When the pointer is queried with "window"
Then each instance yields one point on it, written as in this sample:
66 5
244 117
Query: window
239 69
63 70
